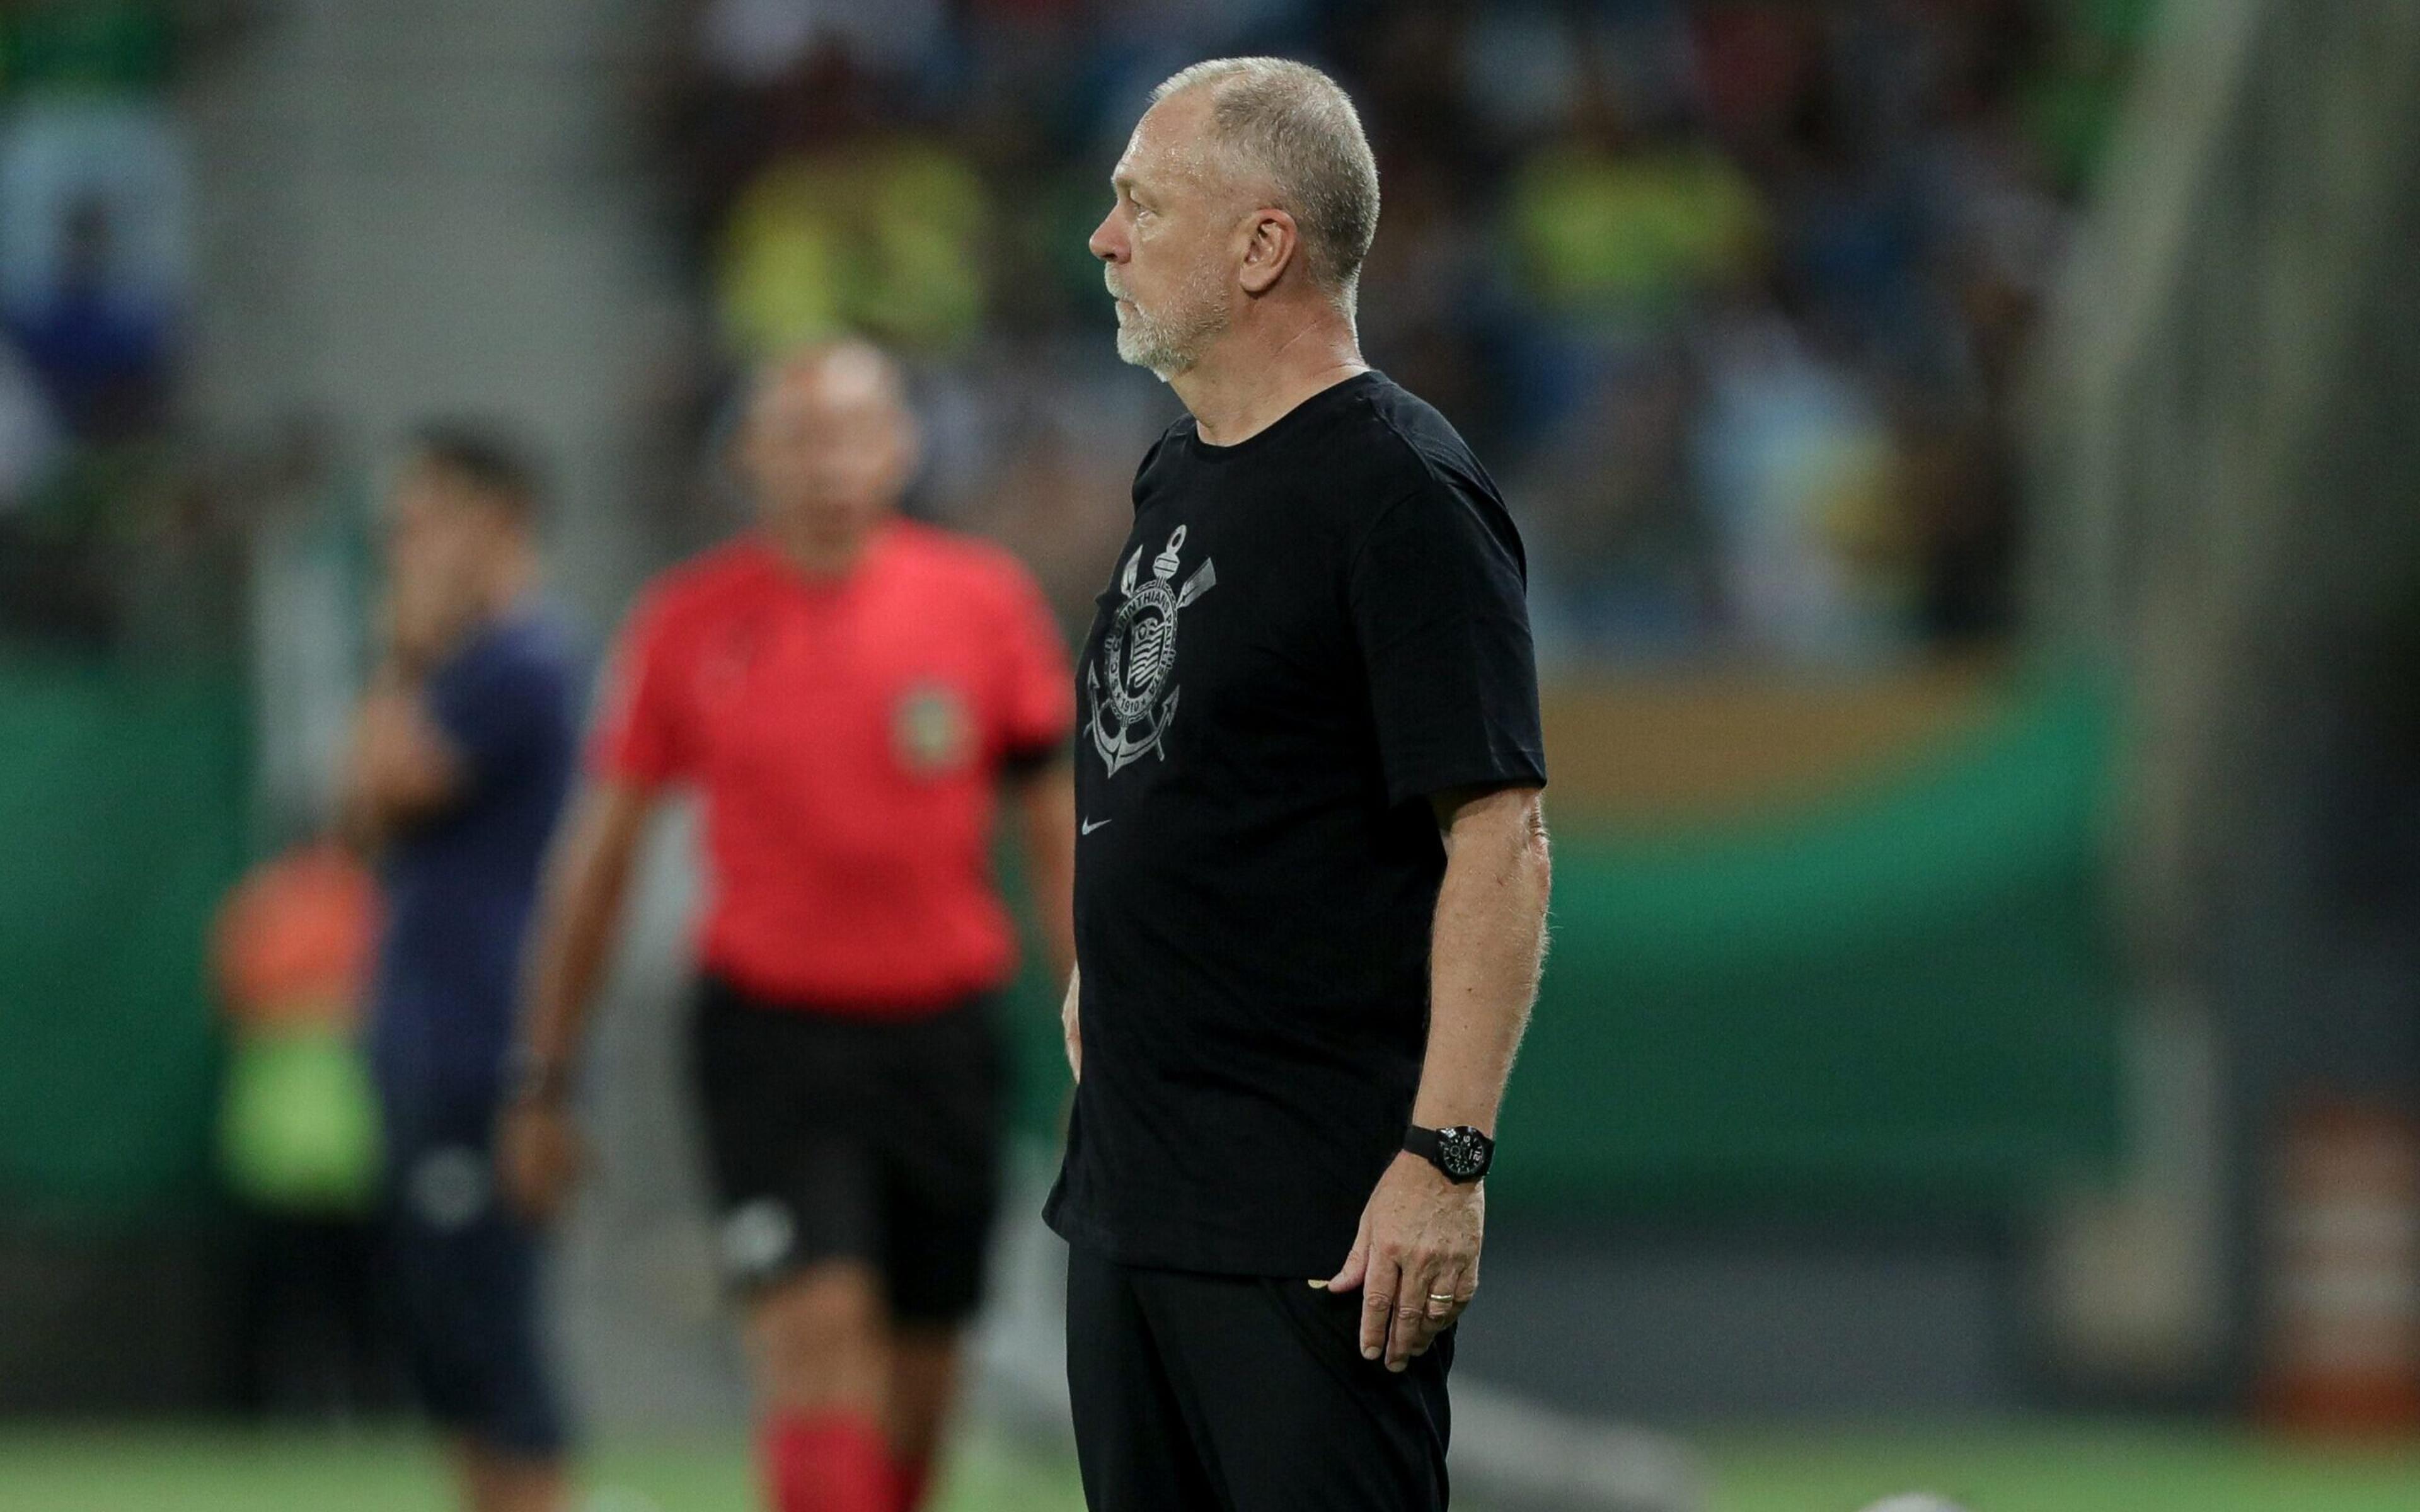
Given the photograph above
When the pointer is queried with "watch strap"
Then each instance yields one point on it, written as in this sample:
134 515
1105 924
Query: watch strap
1461 1154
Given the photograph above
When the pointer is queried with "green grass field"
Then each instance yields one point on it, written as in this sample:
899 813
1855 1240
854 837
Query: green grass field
2060 1468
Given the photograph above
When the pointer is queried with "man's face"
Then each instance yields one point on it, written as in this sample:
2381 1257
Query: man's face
1164 246
446 538
827 451
439 532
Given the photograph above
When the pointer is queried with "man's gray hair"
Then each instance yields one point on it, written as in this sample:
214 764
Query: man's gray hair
1296 126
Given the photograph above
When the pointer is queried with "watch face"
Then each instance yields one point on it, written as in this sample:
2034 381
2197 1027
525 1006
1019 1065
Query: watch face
1462 1153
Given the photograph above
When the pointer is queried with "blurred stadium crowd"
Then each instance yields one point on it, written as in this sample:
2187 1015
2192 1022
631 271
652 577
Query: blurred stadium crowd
95 251
1730 295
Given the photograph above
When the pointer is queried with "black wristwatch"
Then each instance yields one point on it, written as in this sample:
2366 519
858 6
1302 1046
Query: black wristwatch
1462 1153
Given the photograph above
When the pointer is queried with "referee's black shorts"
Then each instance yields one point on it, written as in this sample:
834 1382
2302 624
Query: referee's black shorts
1199 1393
834 1138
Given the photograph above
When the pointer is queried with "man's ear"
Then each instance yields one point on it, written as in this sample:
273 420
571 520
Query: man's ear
1271 244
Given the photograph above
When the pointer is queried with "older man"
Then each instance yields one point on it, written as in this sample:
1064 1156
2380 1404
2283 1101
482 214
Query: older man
1311 884
848 693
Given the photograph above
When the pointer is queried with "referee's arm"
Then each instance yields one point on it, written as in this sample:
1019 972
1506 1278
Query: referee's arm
579 914
1416 1258
1044 795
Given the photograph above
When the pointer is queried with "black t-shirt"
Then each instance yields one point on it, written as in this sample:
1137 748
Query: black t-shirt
1306 635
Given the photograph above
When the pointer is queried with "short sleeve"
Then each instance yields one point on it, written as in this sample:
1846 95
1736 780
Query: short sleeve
1438 595
502 712
640 739
1036 694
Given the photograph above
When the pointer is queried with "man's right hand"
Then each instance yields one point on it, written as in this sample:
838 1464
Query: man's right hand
538 1155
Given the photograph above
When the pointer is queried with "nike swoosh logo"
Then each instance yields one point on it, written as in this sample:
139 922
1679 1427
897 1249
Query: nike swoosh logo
1092 825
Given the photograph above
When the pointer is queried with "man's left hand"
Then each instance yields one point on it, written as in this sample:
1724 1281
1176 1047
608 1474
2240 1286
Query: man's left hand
1415 1260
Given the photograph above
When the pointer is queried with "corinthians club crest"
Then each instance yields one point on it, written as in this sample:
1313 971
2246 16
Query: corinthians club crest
1128 686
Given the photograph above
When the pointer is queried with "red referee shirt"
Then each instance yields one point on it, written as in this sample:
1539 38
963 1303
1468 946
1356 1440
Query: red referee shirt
847 738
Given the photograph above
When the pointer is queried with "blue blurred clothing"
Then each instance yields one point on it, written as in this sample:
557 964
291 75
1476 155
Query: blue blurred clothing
464 1270
461 887
102 357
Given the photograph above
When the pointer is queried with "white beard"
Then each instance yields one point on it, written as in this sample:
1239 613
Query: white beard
1174 342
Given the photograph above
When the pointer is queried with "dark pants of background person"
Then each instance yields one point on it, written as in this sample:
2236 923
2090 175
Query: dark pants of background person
466 1270
315 1330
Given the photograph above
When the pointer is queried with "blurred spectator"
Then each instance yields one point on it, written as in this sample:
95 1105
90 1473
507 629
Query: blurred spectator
100 348
1794 462
85 125
1620 230
109 543
1589 212
293 944
297 1131
872 229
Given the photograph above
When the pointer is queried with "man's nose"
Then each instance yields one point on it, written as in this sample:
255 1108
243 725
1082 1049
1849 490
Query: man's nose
1106 244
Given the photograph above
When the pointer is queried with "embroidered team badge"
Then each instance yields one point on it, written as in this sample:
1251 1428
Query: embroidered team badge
1131 695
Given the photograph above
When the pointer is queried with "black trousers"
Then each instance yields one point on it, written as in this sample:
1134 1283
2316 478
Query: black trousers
837 1138
1244 1394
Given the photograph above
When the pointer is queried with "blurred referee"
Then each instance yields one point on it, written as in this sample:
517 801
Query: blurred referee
1310 886
849 692
463 750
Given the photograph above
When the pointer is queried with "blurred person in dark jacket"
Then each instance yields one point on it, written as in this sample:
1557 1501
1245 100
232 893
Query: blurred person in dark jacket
462 758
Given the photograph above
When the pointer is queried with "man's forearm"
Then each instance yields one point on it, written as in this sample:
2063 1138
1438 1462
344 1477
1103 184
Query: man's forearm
1487 946
398 767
